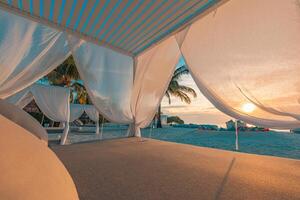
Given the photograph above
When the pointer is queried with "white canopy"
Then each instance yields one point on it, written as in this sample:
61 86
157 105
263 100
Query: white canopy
243 51
53 102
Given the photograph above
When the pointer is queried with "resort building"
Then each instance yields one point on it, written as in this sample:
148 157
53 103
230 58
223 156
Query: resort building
231 125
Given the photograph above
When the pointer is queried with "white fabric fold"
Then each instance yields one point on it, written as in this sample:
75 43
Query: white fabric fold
53 101
76 110
92 112
247 52
154 70
29 51
108 78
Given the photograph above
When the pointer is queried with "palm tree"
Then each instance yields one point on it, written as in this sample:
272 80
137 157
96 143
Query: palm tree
64 74
67 75
177 90
82 95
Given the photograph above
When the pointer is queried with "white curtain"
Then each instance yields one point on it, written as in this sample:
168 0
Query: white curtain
93 114
28 52
108 78
76 110
248 52
53 102
154 70
22 98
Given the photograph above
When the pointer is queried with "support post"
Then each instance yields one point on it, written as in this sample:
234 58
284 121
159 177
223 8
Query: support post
65 134
133 131
101 131
236 135
97 127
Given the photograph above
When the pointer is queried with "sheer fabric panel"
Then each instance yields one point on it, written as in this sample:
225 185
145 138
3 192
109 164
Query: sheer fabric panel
53 102
108 78
92 112
154 69
76 110
29 51
248 52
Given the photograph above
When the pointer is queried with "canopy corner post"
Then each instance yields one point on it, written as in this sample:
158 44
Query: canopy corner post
236 135
65 134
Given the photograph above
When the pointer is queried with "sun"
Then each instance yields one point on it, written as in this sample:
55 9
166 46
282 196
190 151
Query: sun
248 107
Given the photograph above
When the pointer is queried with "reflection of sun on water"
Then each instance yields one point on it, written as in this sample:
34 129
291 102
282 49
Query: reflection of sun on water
248 107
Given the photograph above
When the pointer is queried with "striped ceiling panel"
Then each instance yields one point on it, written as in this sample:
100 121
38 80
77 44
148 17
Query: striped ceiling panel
130 26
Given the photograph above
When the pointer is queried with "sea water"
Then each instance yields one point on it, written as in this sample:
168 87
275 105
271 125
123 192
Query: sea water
265 143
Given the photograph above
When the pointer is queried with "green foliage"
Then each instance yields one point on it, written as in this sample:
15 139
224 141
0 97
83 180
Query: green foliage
175 119
67 75
64 74
177 90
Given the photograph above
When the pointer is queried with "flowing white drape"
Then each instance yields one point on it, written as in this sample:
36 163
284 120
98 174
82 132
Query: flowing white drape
28 52
22 98
93 114
154 70
108 78
248 51
76 110
53 102
245 51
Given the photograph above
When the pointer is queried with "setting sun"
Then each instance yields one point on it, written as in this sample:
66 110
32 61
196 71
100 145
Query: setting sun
248 107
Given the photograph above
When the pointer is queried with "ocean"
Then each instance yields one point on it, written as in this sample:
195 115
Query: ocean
264 143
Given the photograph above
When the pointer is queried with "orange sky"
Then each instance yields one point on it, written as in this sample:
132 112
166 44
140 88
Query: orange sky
200 111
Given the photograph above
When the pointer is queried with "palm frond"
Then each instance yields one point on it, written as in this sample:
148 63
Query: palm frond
183 96
70 69
188 90
173 85
179 72
55 78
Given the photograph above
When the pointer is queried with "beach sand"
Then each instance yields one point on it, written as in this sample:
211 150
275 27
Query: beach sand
152 169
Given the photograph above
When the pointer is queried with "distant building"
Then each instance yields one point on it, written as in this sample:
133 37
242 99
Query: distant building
242 126
296 130
164 119
231 125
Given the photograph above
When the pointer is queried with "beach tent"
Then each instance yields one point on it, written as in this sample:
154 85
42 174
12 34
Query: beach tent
126 51
53 101
76 110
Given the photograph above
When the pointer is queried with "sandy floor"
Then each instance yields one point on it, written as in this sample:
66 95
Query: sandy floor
130 169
